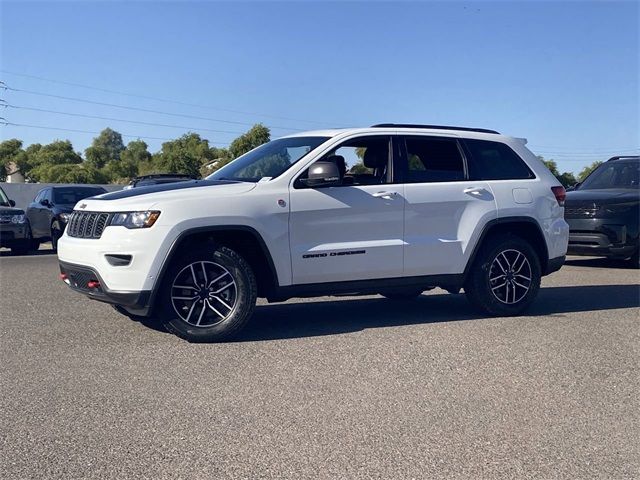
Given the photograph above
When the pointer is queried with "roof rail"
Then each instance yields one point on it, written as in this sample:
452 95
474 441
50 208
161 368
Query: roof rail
432 127
622 157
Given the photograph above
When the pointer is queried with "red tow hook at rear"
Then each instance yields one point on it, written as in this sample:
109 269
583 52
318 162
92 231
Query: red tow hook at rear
93 284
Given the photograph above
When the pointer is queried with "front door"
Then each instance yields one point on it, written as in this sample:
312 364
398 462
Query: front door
353 231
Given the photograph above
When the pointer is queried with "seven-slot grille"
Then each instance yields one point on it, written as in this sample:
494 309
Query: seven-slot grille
87 224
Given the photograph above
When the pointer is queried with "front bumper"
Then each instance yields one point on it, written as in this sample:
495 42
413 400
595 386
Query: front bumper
601 237
88 282
12 234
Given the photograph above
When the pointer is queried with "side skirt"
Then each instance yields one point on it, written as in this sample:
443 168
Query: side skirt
367 287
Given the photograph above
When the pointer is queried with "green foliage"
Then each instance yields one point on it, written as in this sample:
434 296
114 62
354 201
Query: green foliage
106 147
183 155
256 136
584 173
69 173
567 179
10 150
132 159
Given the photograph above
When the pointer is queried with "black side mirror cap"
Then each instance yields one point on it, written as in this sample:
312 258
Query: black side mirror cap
12 203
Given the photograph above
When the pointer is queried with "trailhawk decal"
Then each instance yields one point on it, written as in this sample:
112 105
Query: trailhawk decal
334 254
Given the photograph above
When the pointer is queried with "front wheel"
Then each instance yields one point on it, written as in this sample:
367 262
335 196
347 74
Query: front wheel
56 233
207 295
505 276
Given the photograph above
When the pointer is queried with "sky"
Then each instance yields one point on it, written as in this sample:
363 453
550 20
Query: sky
564 75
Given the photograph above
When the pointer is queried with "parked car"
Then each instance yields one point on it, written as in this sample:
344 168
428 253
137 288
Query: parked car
14 231
157 179
49 212
603 212
391 209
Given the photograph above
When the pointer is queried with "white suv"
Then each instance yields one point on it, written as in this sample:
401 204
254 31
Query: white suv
391 209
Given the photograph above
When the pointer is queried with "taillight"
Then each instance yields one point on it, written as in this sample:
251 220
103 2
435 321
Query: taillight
560 193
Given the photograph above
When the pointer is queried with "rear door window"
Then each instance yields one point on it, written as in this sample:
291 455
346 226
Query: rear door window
433 159
495 161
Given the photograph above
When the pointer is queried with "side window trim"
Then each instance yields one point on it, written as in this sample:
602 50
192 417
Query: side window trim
404 165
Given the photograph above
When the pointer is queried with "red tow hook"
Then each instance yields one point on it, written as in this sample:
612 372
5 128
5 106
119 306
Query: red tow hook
93 284
63 277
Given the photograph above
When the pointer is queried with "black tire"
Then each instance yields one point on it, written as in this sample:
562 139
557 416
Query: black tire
402 296
56 233
23 248
484 287
25 245
217 321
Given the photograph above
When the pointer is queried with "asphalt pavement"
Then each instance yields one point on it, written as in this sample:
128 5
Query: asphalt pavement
325 388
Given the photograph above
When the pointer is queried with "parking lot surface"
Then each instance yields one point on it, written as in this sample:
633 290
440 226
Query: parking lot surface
325 388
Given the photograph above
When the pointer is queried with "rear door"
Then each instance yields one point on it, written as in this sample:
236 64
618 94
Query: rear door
352 231
445 210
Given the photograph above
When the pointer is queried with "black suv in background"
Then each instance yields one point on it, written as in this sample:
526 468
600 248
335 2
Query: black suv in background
603 211
14 231
49 212
159 178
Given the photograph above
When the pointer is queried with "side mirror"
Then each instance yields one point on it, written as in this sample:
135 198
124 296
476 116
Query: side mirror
12 203
45 203
574 187
322 174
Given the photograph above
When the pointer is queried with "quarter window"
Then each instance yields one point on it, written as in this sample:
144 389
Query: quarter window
432 159
495 161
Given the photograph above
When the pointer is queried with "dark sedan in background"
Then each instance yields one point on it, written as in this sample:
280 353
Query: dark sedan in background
603 211
14 231
49 212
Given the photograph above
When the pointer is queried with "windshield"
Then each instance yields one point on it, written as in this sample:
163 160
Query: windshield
71 196
4 200
614 174
268 160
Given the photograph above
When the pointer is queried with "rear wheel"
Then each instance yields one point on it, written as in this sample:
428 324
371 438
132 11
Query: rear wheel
208 295
505 277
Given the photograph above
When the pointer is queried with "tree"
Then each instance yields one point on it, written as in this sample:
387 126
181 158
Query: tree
584 173
106 147
132 159
10 150
184 155
69 173
566 178
256 136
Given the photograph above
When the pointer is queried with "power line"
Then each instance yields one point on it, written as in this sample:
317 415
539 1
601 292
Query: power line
74 114
126 107
159 99
44 127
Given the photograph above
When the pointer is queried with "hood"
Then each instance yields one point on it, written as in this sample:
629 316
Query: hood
10 211
144 198
603 196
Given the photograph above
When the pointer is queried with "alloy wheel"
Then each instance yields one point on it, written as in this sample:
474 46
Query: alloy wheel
510 276
204 294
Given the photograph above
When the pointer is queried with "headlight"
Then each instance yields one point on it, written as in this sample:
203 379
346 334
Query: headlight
65 217
135 219
18 219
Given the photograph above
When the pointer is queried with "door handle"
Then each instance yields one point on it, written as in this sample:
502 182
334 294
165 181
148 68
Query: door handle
385 195
477 191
